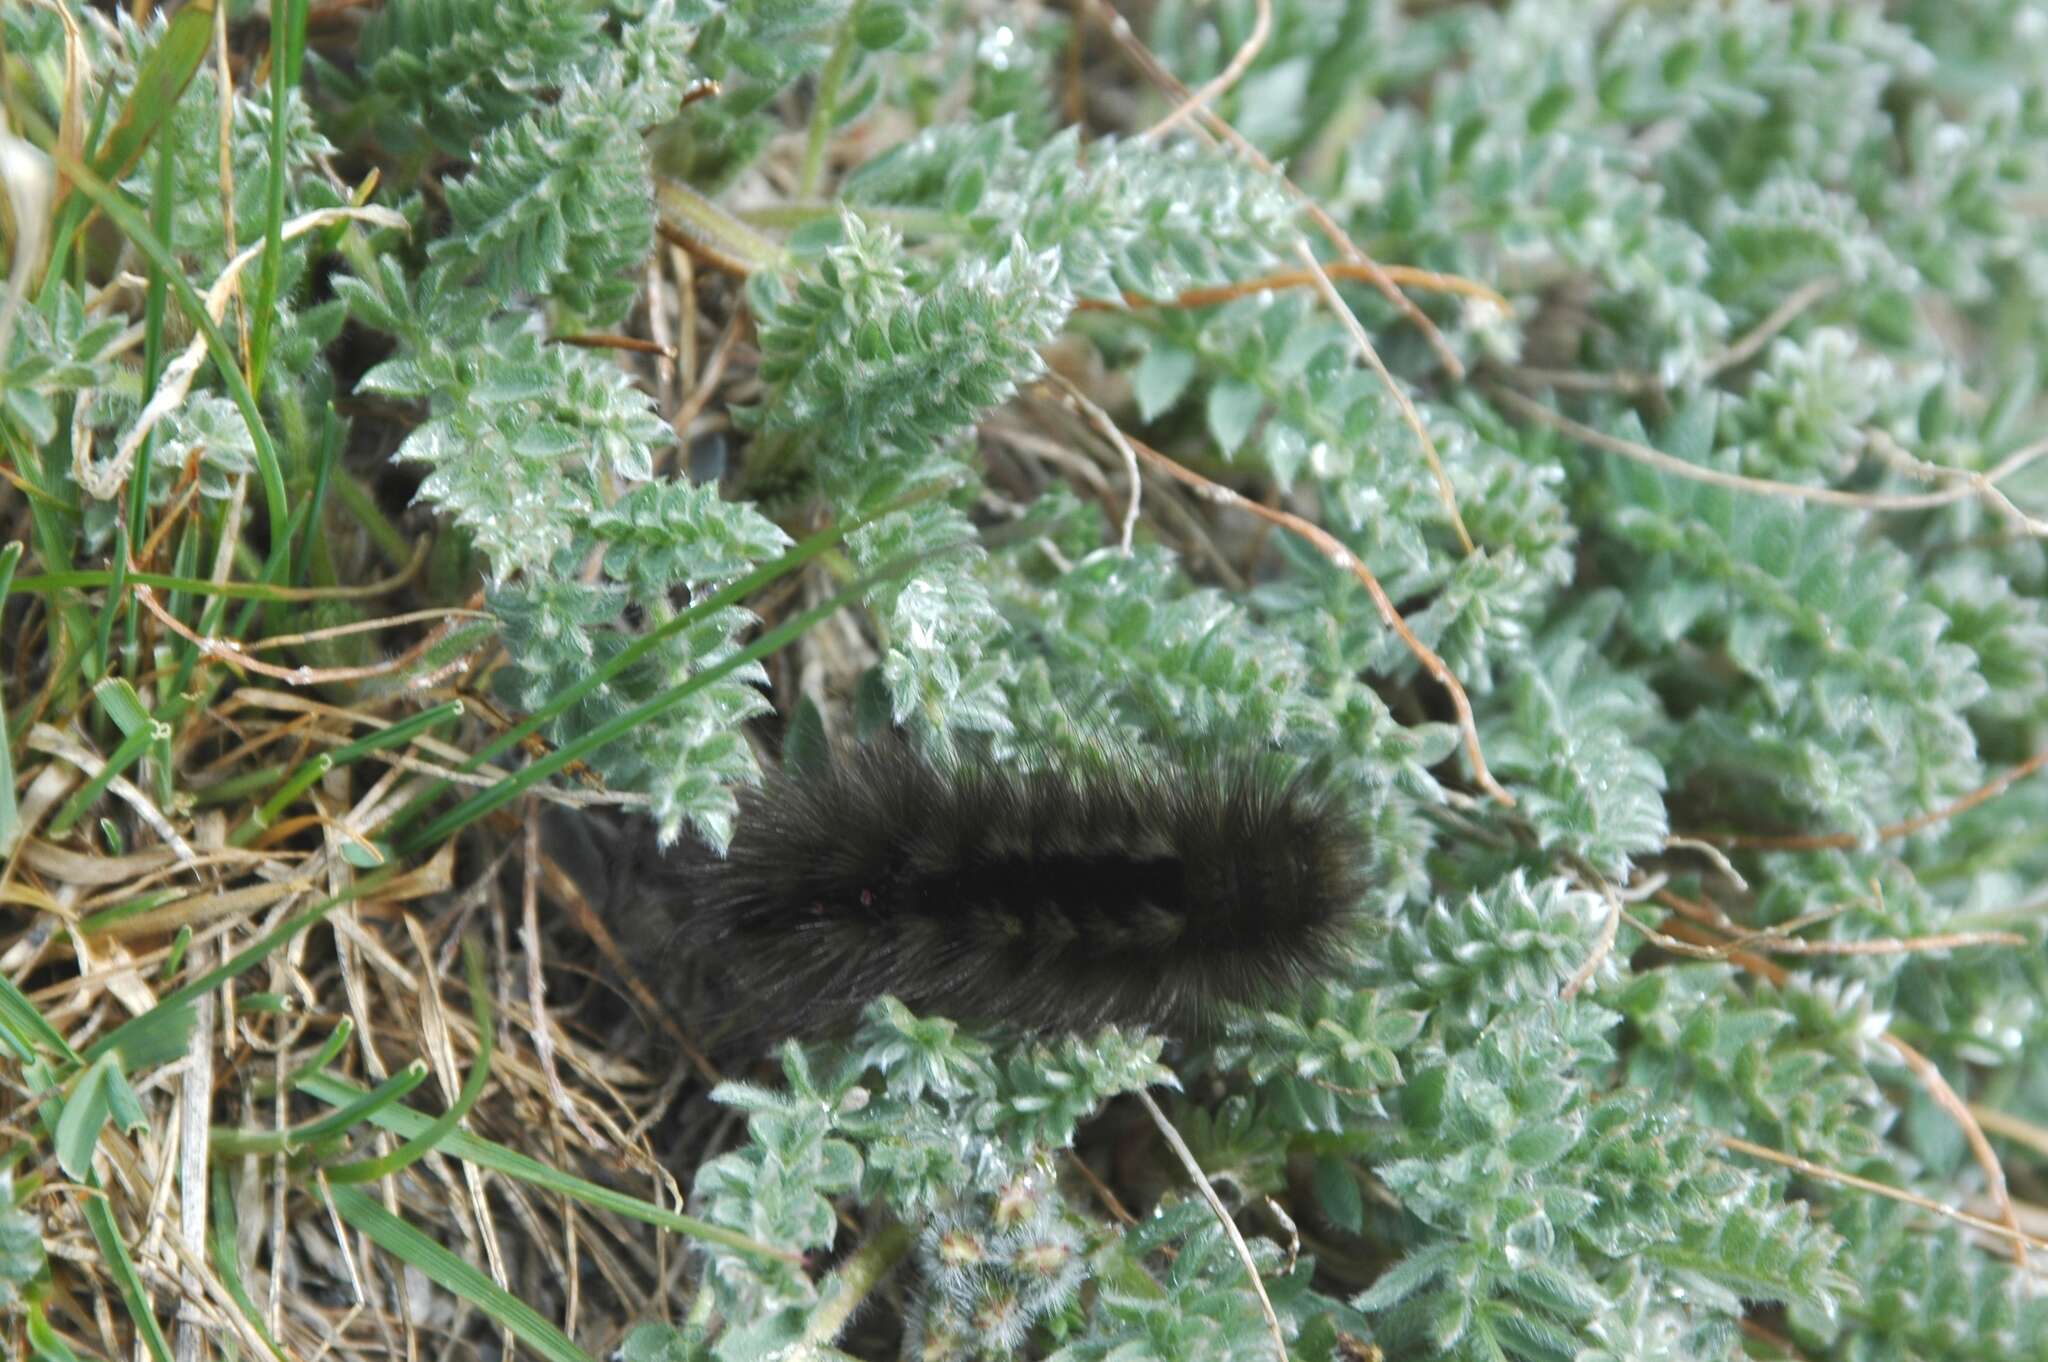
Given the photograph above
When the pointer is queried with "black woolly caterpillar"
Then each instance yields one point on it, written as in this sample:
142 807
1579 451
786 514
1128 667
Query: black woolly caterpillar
1134 892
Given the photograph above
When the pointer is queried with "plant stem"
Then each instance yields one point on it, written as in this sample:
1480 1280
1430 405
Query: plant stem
827 105
698 223
287 42
856 1278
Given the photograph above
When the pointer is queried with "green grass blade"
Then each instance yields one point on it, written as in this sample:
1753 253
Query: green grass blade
135 1028
404 731
233 1143
497 1158
99 1217
10 812
228 1265
732 594
505 791
294 785
163 185
330 1050
48 583
298 781
287 47
159 83
126 755
101 1094
27 1027
121 704
110 607
438 1129
174 959
44 1344
409 1246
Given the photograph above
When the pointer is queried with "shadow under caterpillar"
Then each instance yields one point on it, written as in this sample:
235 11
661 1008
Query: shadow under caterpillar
1134 891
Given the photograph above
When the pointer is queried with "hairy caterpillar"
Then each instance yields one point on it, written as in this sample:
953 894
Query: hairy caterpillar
1135 891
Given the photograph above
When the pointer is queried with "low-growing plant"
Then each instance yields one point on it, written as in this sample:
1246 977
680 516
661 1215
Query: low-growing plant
1604 437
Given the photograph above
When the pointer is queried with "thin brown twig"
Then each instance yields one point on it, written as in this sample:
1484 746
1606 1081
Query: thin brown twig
565 891
1408 276
1930 1077
1052 451
1101 1188
361 627
1778 940
1634 382
1623 382
1897 945
2019 1238
235 654
1968 484
1980 1145
1964 481
1832 841
1780 317
685 274
1328 545
1232 72
1154 70
1335 300
188 493
1692 940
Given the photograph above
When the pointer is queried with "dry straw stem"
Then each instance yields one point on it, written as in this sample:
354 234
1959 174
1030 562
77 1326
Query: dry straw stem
1966 483
589 340
176 382
1778 939
1102 1191
1328 545
49 741
1903 945
1155 71
536 983
394 1016
1223 1218
1099 419
705 384
1603 945
565 891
